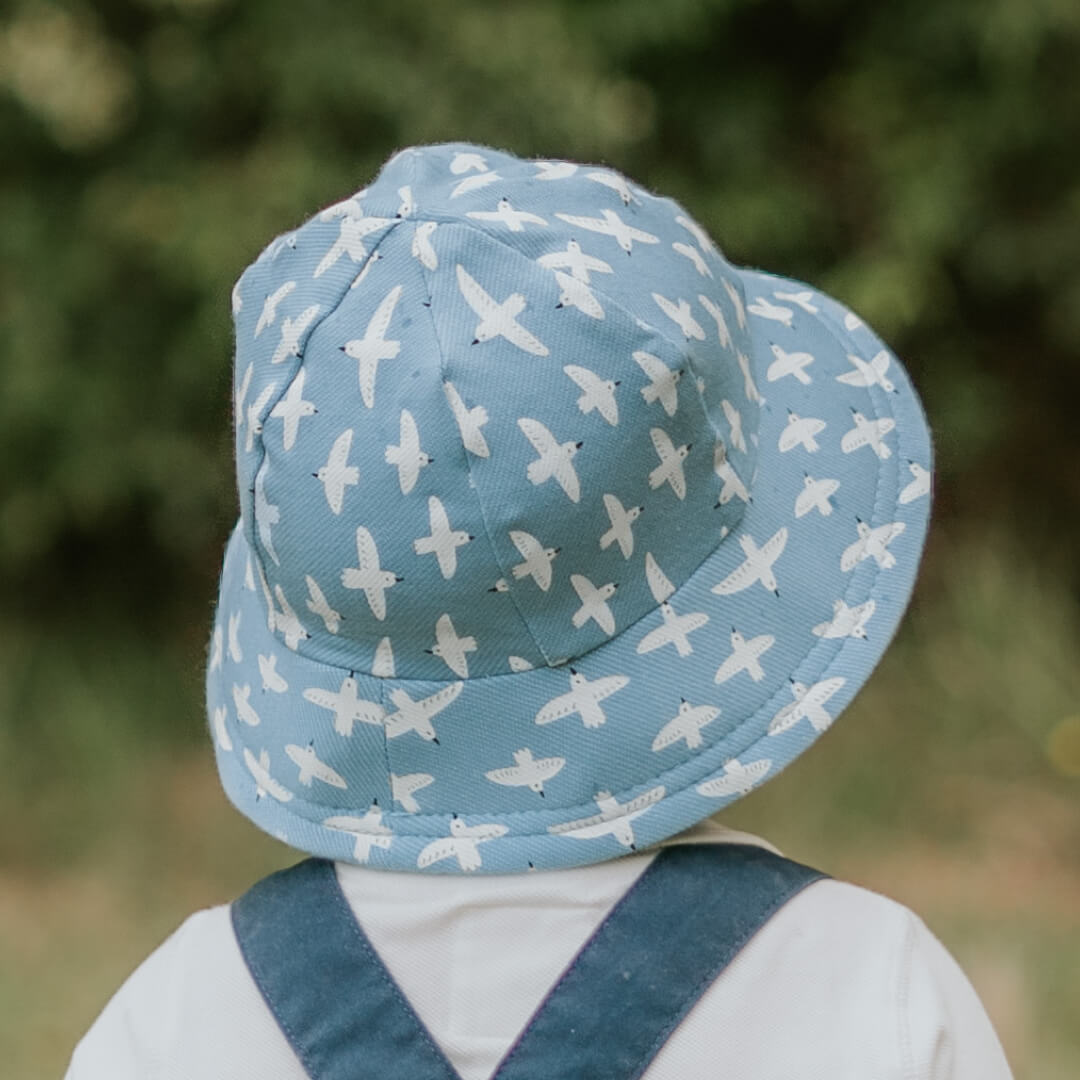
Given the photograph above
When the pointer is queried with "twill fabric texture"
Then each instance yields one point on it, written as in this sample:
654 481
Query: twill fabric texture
558 532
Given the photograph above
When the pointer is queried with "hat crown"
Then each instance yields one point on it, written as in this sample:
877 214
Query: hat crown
490 413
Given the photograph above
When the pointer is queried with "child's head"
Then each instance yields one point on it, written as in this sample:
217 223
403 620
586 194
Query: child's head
558 532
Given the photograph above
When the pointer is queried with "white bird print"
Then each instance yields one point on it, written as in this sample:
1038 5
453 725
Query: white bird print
745 656
674 630
249 576
678 311
738 779
554 170
757 566
660 585
368 575
868 433
404 788
382 666
621 521
241 395
686 724
270 306
872 544
469 422
786 363
245 711
852 321
593 603
216 649
285 621
408 205
365 270
278 245
722 331
409 715
369 831
451 648
292 330
800 431
461 844
422 247
663 381
374 345
733 485
555 458
346 705
734 418
505 214
868 373
254 415
752 392
583 698
237 298
766 309
292 408
847 621
670 469
804 299
919 486
267 514
474 183
610 224
815 495
704 241
311 768
614 181
576 261
317 604
538 559
407 455
272 679
350 207
527 771
235 652
465 160
694 256
615 818
265 784
575 293
220 731
736 298
336 475
354 229
497 319
443 541
809 704
597 393
518 663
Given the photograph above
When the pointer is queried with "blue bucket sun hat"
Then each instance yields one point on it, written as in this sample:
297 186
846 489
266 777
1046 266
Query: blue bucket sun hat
558 532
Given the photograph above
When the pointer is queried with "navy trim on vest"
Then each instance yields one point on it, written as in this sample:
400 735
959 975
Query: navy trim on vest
669 937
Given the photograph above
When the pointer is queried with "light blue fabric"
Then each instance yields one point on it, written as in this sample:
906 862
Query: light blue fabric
605 1019
418 362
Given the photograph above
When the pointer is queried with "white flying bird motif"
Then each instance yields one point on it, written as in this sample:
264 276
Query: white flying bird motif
451 648
408 205
292 408
576 261
407 455
382 665
374 345
537 564
678 311
311 768
615 818
271 677
800 431
461 844
270 306
317 604
733 485
292 330
469 422
350 207
245 711
717 314
220 731
703 239
346 705
847 621
518 663
766 309
694 256
237 298
674 630
235 652
353 231
555 458
505 214
554 170
752 391
804 299
241 396
466 160
254 415
660 585
286 621
216 649
409 715
597 393
809 704
919 486
868 373
868 433
443 541
422 248
614 181
686 724
497 319
734 418
621 520
575 293
265 784
336 475
736 298
738 779
663 381
815 495
583 698
267 514
404 788
368 575
612 225
872 544
757 566
593 603
474 183
745 656
369 831
527 771
786 363
670 469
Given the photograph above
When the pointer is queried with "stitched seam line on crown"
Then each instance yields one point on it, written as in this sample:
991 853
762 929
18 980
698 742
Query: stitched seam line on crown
475 489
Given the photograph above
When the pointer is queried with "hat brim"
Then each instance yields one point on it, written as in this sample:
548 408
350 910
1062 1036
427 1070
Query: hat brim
837 603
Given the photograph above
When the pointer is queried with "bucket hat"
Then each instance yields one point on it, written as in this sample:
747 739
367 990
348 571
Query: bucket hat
558 532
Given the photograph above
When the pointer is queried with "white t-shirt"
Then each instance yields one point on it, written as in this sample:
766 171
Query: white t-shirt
841 984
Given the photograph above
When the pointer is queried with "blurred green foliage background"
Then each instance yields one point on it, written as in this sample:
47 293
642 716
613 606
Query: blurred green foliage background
917 159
